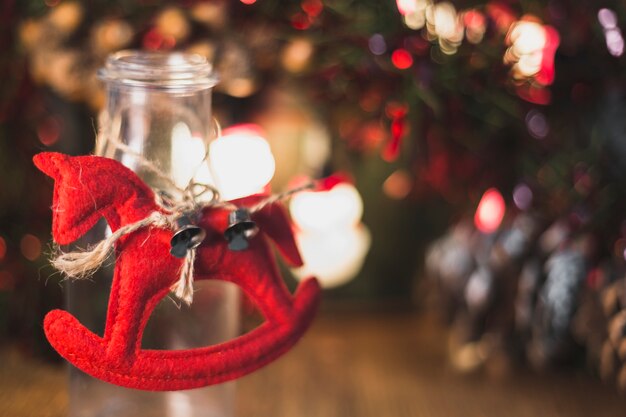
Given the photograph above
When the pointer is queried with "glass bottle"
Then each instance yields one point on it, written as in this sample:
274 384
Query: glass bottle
159 106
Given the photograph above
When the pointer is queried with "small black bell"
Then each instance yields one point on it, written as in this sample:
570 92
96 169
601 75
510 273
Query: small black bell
240 229
188 236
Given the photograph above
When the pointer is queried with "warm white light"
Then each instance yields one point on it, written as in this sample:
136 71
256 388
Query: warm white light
443 23
415 15
415 20
187 157
527 38
340 207
532 46
529 65
406 6
241 162
445 20
475 25
333 257
331 238
297 55
176 59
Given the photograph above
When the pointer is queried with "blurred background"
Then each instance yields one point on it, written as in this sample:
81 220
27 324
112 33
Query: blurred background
478 150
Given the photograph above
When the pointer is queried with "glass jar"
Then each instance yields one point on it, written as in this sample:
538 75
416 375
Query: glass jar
159 106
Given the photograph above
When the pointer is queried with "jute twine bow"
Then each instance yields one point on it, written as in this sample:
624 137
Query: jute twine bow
82 264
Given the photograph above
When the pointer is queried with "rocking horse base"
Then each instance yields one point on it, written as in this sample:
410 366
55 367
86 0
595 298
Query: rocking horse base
166 370
217 308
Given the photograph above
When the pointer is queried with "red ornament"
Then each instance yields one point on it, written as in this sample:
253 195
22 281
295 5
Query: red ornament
397 112
90 187
312 7
401 59
301 21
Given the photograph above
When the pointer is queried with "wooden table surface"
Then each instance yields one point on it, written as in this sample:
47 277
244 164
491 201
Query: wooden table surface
362 365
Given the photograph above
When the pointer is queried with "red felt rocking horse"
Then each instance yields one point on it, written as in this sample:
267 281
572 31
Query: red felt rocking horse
88 188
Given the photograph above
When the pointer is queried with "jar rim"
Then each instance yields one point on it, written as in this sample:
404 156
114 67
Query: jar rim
161 70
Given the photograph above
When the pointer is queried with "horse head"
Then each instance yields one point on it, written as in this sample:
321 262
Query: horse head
88 188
